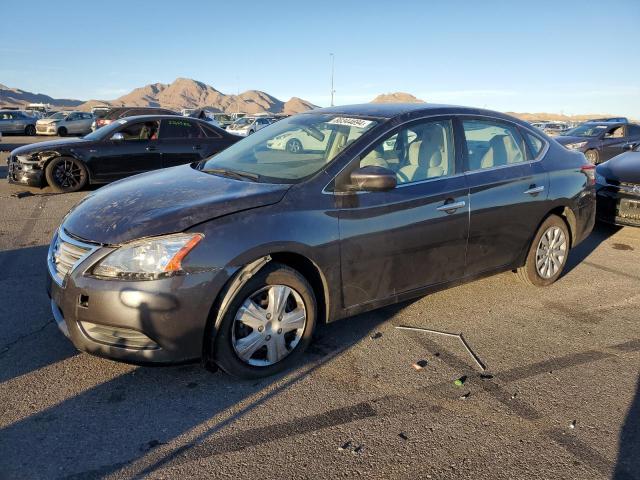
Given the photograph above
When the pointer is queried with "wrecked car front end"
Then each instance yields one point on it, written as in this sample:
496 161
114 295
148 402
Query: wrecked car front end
26 169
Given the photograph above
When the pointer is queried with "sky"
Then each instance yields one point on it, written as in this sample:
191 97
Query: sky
571 57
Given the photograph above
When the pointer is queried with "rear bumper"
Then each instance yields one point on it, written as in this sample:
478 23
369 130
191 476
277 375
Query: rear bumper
160 321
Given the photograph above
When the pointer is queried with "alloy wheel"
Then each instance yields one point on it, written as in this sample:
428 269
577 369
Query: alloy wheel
268 325
68 174
551 252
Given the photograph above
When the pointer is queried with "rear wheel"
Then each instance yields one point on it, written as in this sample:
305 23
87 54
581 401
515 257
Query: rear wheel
267 325
65 174
592 156
30 130
62 132
548 253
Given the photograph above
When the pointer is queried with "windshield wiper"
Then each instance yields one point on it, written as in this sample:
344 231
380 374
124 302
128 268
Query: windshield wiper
238 175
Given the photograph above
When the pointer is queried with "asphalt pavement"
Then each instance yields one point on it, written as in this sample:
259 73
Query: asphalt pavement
560 397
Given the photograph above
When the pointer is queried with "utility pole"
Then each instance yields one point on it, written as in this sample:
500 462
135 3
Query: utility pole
332 90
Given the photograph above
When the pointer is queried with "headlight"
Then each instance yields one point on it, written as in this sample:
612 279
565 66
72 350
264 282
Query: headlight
148 259
575 146
600 180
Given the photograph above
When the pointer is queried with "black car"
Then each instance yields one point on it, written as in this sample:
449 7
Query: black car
618 189
127 147
600 141
121 112
236 258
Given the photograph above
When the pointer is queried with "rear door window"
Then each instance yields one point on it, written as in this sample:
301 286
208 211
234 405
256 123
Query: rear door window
179 128
534 143
491 143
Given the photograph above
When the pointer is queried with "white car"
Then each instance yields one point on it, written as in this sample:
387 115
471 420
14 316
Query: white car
299 141
247 125
63 123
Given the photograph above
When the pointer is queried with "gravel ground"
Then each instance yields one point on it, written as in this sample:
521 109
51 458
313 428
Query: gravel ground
561 398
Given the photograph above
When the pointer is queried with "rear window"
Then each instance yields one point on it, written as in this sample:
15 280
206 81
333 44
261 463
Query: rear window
179 128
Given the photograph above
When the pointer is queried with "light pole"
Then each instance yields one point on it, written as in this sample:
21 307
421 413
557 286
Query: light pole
332 90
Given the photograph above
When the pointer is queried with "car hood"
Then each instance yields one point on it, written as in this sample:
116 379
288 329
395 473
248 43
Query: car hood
162 202
47 121
566 140
50 145
623 168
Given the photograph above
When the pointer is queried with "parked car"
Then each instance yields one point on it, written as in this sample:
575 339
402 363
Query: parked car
236 258
127 147
64 123
600 141
121 112
245 126
618 189
610 119
203 115
16 121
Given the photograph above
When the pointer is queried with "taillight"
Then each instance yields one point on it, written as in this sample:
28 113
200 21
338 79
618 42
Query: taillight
590 172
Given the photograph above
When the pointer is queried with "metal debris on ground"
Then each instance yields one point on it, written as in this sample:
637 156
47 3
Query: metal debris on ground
460 336
420 364
376 335
403 436
572 424
460 381
465 396
350 446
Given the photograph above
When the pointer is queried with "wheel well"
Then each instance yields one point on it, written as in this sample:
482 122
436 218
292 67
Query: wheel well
569 218
312 273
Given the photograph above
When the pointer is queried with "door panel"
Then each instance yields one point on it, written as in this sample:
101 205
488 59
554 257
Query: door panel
396 241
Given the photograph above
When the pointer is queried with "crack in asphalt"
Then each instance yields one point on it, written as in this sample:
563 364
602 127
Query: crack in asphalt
4 349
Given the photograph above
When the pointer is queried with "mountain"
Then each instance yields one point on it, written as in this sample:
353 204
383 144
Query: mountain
188 93
396 97
14 97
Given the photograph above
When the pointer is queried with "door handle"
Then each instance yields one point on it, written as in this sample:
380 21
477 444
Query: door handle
533 190
451 207
151 149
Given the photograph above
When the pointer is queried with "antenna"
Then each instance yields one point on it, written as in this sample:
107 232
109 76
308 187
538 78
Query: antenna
332 90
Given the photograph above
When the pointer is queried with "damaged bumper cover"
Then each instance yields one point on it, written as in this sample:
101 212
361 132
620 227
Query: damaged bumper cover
25 171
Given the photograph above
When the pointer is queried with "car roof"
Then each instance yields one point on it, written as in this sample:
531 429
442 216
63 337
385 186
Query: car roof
606 124
390 110
159 117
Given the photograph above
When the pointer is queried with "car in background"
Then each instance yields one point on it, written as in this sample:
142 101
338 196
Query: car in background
610 119
120 112
618 189
247 125
204 115
551 128
235 259
16 121
300 141
224 119
65 123
126 147
600 141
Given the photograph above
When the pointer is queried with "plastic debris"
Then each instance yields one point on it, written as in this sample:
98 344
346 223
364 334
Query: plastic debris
344 446
486 376
465 396
350 446
22 194
376 335
572 424
460 381
403 436
420 364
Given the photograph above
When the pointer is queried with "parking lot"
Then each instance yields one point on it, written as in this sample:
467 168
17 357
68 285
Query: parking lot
560 397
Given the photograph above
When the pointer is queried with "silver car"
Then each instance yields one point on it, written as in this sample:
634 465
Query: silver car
16 121
63 123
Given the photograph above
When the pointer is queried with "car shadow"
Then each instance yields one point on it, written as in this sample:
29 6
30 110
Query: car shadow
601 232
628 461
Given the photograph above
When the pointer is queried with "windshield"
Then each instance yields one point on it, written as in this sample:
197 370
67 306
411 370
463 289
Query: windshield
106 131
291 149
243 121
586 131
59 115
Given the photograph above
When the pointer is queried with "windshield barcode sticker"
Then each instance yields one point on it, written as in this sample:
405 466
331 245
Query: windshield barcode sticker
351 122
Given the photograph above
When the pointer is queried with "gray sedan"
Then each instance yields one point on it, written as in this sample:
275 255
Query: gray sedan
16 121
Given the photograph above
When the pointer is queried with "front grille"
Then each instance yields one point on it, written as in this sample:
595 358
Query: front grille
65 254
629 209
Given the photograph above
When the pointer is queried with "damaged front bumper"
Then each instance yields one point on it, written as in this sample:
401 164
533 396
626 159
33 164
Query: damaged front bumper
24 172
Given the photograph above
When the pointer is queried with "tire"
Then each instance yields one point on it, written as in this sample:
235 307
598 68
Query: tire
62 132
30 130
294 146
593 156
249 133
66 174
268 337
553 232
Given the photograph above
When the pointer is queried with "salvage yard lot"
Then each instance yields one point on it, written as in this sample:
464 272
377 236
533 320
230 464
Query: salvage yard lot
562 399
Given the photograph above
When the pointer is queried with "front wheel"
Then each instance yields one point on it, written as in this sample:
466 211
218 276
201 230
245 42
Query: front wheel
548 253
294 146
65 174
30 130
268 324
62 132
592 156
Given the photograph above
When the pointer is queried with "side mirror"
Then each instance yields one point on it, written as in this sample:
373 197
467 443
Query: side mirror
373 179
117 137
629 147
